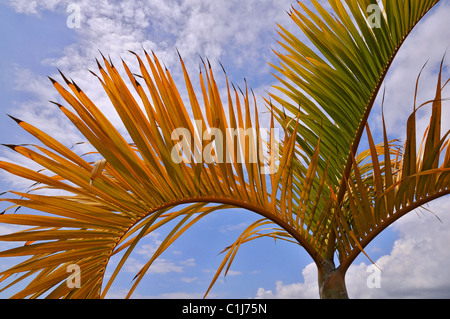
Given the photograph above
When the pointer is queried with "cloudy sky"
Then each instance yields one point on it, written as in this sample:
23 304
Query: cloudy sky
36 37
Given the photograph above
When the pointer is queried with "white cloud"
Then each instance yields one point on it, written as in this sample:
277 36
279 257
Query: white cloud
428 42
234 273
164 266
306 290
152 242
415 268
233 227
189 280
159 266
120 293
39 112
216 29
188 262
34 7
237 33
146 250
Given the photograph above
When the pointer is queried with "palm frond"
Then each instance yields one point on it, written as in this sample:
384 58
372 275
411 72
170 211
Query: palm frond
130 191
337 79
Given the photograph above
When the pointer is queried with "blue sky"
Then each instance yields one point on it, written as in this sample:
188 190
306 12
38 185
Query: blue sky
35 40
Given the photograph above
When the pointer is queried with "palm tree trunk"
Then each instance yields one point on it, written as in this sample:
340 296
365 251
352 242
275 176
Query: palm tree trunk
331 281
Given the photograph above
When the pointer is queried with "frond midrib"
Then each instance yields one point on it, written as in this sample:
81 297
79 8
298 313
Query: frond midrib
262 211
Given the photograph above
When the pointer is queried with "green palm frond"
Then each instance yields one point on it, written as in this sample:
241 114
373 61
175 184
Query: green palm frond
336 81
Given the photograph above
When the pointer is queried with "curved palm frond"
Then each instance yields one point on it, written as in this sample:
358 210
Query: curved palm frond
337 79
131 190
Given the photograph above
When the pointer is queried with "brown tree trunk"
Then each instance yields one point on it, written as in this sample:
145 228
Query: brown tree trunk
331 281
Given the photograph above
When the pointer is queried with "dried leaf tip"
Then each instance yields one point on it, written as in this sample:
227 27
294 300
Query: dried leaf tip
132 52
53 81
179 55
111 62
11 146
76 86
64 77
104 59
18 121
137 57
223 68
98 64
56 103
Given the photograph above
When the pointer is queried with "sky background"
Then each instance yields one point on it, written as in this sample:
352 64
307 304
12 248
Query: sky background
35 40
